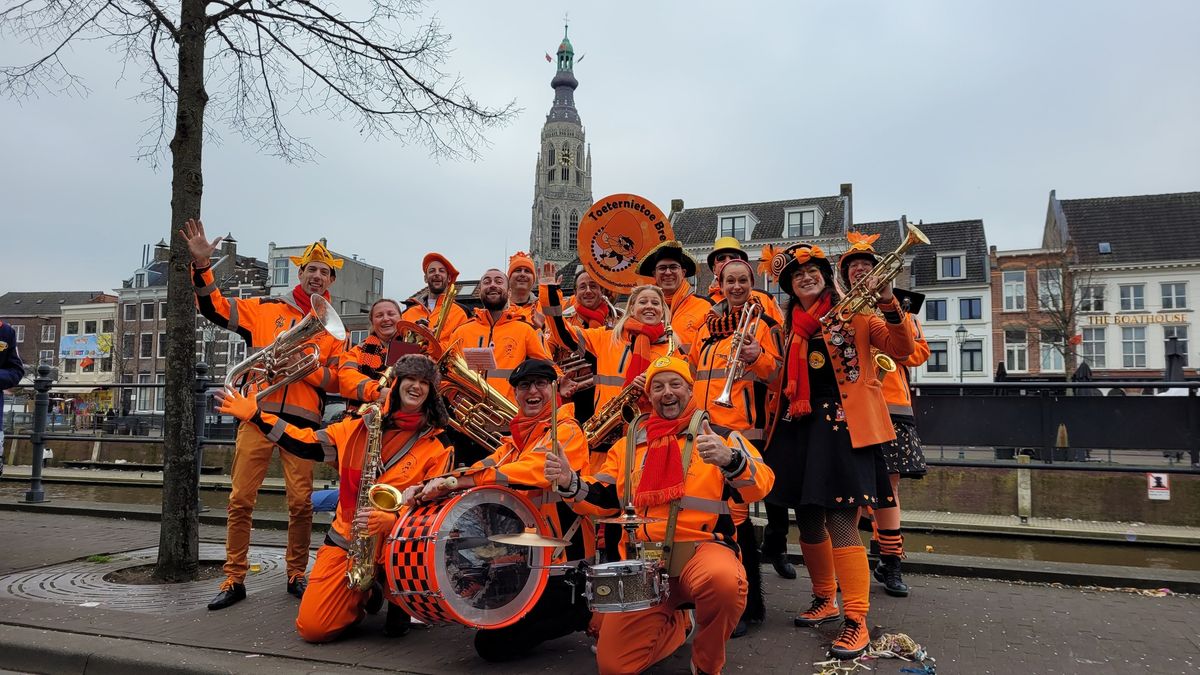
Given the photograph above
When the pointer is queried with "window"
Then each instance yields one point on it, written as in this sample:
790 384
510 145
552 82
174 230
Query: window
972 356
1091 299
145 396
237 349
733 226
162 345
46 356
1050 289
139 280
555 230
1174 295
1014 292
952 266
565 173
376 285
970 308
935 310
69 365
130 311
73 327
1133 297
1180 333
106 364
801 224
106 326
147 346
279 271
160 394
20 331
1015 348
147 311
162 310
938 357
89 327
127 345
1052 350
49 332
89 367
1092 347
357 336
1133 347
573 228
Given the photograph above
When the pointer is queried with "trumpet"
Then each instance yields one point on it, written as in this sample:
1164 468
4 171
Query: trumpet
747 326
884 364
863 296
292 356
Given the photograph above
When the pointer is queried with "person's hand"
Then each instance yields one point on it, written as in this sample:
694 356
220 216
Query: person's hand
712 447
375 522
197 242
232 402
750 351
549 275
558 471
410 493
640 382
883 288
567 387
436 487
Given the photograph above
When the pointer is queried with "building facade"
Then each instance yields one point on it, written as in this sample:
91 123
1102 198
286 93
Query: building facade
563 172
85 355
36 317
1030 327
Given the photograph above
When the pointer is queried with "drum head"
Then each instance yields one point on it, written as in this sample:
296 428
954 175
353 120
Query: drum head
488 584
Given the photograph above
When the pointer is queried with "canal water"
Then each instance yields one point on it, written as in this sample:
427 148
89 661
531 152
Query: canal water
994 546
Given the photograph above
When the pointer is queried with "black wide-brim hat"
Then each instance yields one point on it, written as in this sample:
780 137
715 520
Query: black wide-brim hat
852 255
668 250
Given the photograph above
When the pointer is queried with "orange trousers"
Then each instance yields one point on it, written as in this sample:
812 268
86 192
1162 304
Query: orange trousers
252 453
715 582
329 606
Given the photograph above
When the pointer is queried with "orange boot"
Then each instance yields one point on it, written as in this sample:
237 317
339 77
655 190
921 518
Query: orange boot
818 558
854 573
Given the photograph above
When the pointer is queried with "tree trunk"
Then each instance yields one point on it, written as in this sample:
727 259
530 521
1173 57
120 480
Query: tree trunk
178 544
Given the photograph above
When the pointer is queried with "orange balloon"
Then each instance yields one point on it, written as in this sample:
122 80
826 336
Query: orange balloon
615 234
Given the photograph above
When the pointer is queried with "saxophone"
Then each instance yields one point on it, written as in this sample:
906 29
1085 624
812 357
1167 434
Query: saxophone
611 415
360 553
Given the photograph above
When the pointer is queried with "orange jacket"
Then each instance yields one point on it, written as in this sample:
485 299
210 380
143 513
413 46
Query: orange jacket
704 510
770 305
687 315
866 410
612 357
511 467
710 363
895 384
259 321
361 366
530 312
418 311
344 444
512 338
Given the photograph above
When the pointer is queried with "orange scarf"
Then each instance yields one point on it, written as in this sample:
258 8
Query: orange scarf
805 324
662 471
523 428
643 337
680 296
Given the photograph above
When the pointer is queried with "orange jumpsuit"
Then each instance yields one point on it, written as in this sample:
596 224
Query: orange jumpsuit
687 315
329 605
417 310
713 579
258 321
530 312
512 338
770 305
710 362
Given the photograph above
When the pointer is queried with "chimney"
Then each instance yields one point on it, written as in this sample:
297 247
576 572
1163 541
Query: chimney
847 192
162 251
229 246
676 206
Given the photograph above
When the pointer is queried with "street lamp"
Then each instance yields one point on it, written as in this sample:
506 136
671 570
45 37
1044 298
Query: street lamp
960 336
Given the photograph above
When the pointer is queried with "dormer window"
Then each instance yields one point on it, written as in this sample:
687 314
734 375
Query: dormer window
952 265
740 226
800 223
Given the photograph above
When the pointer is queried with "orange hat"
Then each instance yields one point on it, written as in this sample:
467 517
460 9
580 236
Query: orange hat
316 252
668 364
520 259
431 256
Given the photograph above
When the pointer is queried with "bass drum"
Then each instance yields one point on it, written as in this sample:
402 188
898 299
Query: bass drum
442 568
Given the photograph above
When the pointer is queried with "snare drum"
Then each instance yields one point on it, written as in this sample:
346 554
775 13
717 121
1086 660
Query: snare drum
441 567
625 586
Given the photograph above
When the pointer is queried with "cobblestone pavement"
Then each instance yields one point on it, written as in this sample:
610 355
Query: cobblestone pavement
968 625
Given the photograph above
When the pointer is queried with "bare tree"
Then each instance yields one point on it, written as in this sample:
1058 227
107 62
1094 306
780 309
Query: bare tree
1064 292
269 58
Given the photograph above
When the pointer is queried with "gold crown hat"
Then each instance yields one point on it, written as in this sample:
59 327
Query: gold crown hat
668 250
726 244
316 252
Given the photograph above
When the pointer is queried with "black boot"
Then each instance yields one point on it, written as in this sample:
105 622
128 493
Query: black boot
398 621
783 566
231 592
887 572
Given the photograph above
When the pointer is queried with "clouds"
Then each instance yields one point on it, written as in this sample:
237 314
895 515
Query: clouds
938 110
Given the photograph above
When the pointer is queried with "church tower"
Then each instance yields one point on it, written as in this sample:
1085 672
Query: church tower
563 179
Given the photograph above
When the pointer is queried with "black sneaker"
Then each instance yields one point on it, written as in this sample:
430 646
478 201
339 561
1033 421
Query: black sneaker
296 585
231 593
887 572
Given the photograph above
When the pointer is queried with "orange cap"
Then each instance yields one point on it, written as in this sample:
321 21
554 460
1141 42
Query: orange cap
430 257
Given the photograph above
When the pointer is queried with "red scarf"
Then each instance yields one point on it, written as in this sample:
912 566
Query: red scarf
805 324
662 472
304 300
643 337
523 428
406 421
593 318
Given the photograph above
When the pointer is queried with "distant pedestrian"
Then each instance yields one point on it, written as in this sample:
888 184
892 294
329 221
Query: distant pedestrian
11 371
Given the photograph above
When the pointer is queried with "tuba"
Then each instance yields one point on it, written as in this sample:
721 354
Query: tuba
447 303
476 409
290 357
862 297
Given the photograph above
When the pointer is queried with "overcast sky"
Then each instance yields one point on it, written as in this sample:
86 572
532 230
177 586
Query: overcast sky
940 110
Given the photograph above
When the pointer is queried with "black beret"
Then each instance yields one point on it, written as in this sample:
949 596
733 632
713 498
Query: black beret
533 368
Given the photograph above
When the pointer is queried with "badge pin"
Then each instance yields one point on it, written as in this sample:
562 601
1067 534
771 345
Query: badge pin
836 338
841 414
816 360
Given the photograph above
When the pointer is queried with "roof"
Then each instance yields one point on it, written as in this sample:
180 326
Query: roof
1139 229
41 303
698 226
958 235
888 231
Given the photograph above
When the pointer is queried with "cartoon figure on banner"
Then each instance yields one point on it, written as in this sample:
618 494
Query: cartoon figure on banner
615 253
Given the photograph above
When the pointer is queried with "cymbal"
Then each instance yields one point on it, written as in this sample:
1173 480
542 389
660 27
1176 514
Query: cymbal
529 537
629 519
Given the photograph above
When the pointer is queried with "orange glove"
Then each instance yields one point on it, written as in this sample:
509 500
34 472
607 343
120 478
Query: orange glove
378 522
233 403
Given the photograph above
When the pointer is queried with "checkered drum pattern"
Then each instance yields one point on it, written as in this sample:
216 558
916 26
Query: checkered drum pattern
410 568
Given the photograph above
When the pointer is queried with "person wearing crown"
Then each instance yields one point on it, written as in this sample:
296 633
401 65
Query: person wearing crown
258 321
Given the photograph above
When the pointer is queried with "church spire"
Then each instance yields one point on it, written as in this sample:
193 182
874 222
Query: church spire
564 84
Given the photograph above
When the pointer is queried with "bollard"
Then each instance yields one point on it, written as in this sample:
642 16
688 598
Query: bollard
1024 491
201 399
41 408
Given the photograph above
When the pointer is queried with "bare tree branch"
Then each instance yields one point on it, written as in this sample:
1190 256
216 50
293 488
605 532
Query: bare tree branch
162 19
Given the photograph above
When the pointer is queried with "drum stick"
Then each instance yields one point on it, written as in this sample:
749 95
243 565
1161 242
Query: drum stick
554 446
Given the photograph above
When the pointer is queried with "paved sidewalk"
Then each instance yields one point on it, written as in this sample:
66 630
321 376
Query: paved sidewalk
968 625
